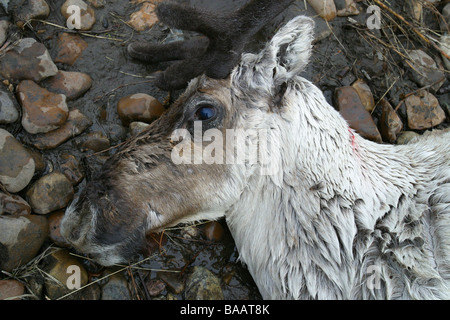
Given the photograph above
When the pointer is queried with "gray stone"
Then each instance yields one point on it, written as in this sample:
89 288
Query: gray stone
71 84
28 60
406 136
42 110
76 124
16 164
9 108
423 111
445 47
13 204
11 289
4 25
21 237
51 192
116 288
137 127
426 71
36 9
202 284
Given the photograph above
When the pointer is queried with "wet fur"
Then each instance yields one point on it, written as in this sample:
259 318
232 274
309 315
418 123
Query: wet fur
342 218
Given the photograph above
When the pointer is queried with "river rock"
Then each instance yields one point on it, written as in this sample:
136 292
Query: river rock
445 46
9 289
43 111
139 107
324 8
144 18
66 272
87 15
21 237
116 288
9 109
202 284
351 9
426 70
71 168
76 124
16 164
13 204
213 231
406 136
51 192
69 48
54 227
36 9
155 287
390 123
4 25
95 141
423 111
137 127
414 8
71 84
97 3
445 21
114 131
173 280
351 108
365 94
39 161
28 60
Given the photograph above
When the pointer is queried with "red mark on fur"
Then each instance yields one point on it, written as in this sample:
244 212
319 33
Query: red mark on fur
352 138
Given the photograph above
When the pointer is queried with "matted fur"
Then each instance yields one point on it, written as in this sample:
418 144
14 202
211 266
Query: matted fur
342 218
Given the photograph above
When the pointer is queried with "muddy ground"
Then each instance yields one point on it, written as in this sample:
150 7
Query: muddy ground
338 60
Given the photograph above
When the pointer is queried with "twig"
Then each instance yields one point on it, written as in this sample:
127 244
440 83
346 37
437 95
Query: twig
421 36
121 20
120 87
136 76
384 95
106 150
337 39
100 37
102 278
147 294
91 34
134 284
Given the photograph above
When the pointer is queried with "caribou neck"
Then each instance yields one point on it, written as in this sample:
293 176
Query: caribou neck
309 224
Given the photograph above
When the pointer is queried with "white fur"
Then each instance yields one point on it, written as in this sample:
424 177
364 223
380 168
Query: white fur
345 218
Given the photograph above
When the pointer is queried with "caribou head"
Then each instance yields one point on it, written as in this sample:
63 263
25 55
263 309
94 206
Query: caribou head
158 179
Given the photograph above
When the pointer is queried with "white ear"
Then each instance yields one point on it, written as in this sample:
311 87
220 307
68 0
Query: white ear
291 48
285 56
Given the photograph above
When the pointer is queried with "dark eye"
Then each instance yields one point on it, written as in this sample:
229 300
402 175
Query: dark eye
206 112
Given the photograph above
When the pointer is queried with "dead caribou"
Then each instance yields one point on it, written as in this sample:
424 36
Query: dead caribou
342 218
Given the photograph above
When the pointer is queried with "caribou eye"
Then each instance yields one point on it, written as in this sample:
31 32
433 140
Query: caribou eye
205 112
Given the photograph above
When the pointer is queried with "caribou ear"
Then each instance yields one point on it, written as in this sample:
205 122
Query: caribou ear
285 56
290 49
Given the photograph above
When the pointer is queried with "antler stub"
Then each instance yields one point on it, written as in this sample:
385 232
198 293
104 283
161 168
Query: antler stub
215 53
